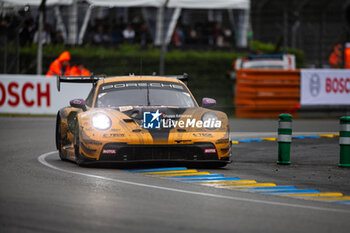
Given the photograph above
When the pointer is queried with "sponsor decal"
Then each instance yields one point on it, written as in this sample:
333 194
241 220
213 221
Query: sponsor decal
113 135
115 130
109 151
209 151
315 85
151 120
156 120
28 94
193 123
176 116
37 94
125 108
325 87
141 84
337 85
207 135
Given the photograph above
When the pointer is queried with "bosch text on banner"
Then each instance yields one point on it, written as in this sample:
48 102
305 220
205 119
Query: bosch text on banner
325 87
36 94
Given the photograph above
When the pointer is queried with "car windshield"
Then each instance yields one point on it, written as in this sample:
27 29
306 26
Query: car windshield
119 94
263 64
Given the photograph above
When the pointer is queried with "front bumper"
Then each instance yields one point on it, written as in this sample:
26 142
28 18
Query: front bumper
141 153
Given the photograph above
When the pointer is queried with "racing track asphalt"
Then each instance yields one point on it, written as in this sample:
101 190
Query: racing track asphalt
56 196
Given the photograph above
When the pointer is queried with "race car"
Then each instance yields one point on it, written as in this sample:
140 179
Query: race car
141 119
263 61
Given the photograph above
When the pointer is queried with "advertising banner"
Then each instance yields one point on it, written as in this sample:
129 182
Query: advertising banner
325 87
34 94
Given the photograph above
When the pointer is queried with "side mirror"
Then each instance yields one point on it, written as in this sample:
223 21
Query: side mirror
208 102
78 103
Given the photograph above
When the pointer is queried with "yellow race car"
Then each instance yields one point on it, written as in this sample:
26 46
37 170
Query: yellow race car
141 119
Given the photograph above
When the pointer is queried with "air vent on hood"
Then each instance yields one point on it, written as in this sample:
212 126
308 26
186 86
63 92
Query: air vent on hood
128 120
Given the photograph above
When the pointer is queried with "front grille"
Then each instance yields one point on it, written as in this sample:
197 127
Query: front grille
127 152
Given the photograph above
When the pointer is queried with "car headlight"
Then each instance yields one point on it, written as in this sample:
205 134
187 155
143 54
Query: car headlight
209 120
101 121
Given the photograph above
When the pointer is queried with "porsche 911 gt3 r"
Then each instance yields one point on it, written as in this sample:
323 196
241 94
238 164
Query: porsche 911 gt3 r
141 118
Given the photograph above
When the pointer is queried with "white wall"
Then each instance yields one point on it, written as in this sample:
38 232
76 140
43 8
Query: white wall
325 87
37 94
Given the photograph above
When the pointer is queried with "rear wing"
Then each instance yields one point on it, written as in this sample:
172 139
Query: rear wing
77 79
94 79
183 77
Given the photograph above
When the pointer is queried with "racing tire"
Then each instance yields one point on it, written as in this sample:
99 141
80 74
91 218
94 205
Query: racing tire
79 158
59 138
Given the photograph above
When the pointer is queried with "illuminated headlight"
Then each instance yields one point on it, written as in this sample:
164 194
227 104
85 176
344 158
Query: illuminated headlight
209 119
101 121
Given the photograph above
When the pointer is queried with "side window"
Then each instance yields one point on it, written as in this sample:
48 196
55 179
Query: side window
90 97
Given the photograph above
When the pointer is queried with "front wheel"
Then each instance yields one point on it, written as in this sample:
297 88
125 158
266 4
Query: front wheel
59 138
79 158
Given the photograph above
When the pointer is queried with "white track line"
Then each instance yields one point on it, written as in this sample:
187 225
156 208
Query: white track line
42 160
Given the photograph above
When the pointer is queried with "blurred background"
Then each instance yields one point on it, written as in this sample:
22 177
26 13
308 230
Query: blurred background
211 41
